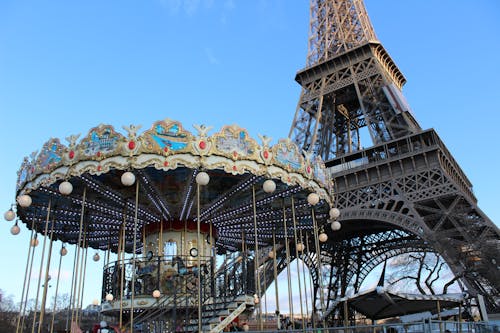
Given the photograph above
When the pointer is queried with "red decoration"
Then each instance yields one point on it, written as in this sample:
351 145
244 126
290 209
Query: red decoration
235 168
131 145
71 154
99 168
266 154
165 149
308 169
165 163
202 145
98 154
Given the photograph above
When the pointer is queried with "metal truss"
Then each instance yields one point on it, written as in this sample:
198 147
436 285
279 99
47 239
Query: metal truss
404 193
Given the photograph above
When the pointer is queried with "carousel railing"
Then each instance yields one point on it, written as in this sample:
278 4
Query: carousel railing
178 285
233 279
167 274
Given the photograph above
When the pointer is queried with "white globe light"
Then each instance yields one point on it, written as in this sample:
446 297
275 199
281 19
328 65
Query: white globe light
109 297
64 251
256 300
335 225
269 186
202 178
128 178
313 199
334 213
271 254
34 242
65 188
95 301
9 215
156 293
15 230
24 200
323 237
245 327
300 247
96 257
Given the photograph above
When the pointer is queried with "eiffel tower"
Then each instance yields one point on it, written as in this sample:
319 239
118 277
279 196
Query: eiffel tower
404 193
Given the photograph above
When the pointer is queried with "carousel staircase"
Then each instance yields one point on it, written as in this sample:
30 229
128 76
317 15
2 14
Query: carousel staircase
219 314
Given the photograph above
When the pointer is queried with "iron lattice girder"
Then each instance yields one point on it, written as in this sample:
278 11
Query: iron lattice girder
336 27
414 183
408 179
360 82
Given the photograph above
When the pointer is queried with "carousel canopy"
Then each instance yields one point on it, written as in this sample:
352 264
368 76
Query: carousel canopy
379 303
108 182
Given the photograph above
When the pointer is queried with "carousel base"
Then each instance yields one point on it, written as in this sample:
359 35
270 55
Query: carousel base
215 316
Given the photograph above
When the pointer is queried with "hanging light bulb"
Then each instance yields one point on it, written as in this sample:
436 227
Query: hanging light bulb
156 293
96 257
323 237
334 213
202 178
313 199
9 215
34 241
128 178
335 225
269 186
65 188
24 200
95 302
64 251
109 297
15 230
300 247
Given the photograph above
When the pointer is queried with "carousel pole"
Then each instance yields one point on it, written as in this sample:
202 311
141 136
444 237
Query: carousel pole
71 296
33 245
311 291
46 279
26 281
82 277
287 253
198 243
57 288
108 254
77 254
121 255
304 277
134 256
41 265
256 258
297 261
144 242
265 295
244 266
318 252
79 278
276 292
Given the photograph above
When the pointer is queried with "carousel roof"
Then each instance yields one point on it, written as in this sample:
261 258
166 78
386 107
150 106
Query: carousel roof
165 160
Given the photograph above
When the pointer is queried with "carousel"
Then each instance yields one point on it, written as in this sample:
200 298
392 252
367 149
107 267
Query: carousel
192 228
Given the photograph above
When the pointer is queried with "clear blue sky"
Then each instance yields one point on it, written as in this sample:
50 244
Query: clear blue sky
66 66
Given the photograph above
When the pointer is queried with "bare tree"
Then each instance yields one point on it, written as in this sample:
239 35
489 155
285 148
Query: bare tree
425 272
8 313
